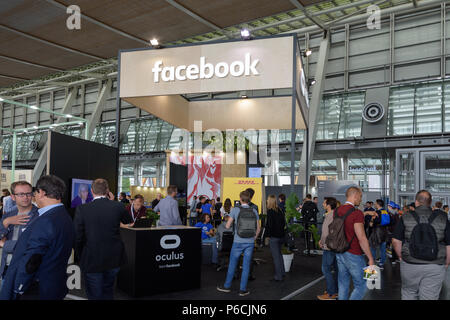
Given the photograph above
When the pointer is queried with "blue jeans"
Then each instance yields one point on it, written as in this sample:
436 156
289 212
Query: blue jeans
100 285
382 253
236 250
351 266
214 248
329 264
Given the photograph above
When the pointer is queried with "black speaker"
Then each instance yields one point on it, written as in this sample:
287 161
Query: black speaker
373 112
112 137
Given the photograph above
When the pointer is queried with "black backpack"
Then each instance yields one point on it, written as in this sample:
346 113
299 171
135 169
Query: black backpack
423 243
336 240
246 223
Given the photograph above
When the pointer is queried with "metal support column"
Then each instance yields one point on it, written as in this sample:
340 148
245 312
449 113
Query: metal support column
293 114
67 107
98 109
13 160
310 137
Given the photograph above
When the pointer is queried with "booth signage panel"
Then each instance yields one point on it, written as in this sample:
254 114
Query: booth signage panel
164 259
232 187
228 66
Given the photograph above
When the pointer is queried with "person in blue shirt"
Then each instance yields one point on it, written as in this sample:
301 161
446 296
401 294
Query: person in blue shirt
208 235
206 207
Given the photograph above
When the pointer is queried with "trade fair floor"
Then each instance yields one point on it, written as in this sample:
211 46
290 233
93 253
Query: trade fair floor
303 282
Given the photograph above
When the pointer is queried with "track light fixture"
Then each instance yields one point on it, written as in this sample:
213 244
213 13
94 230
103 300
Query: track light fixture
245 34
307 52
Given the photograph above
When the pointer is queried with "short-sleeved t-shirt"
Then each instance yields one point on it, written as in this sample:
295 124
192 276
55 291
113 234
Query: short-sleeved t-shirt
399 232
205 228
206 208
355 217
234 215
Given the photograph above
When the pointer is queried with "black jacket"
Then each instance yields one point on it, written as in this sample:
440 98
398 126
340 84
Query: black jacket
309 212
99 246
276 223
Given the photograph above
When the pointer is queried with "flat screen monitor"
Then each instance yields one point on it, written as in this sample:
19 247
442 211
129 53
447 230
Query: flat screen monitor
81 192
254 172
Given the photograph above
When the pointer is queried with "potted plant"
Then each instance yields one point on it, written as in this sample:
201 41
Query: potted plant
293 229
152 216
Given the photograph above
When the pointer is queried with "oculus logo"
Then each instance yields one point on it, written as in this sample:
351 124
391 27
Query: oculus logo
373 112
171 241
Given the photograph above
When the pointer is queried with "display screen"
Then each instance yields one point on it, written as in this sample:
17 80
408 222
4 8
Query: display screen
254 172
81 192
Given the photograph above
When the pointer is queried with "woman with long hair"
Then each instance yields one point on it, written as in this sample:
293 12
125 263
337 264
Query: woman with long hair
226 208
275 229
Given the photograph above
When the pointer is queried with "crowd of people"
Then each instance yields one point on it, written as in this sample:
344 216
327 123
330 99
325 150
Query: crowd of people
418 237
38 236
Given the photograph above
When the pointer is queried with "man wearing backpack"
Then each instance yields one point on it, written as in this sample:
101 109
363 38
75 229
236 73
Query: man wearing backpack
422 243
380 224
348 239
246 231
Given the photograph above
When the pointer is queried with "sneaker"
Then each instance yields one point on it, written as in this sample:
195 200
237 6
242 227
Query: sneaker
327 296
381 266
244 293
223 289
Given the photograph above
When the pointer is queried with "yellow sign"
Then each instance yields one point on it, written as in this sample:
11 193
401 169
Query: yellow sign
232 187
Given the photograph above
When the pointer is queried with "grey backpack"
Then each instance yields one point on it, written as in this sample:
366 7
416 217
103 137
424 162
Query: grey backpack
246 223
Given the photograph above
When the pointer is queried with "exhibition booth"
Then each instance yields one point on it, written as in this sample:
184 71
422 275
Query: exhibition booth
160 81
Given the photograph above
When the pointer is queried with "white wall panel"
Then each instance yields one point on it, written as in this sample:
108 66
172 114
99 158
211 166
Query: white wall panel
369 60
429 50
369 44
367 78
334 83
417 20
417 71
417 35
334 66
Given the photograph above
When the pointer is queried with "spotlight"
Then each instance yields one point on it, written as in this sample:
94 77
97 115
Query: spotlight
69 116
244 96
245 34
307 53
35 127
311 82
155 43
1 99
34 107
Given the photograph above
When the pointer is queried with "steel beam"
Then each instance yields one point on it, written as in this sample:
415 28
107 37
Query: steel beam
317 21
32 64
67 107
198 17
314 108
53 44
13 78
101 24
331 23
98 109
40 164
403 8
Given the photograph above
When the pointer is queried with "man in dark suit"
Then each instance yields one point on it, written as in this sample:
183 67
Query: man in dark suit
38 269
98 244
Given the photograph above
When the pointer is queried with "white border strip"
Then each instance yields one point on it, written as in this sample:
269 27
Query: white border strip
297 292
72 297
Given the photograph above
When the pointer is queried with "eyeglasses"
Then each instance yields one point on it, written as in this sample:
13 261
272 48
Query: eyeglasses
21 195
